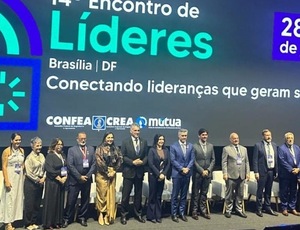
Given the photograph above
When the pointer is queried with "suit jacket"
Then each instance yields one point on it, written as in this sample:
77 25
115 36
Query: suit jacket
154 162
75 164
178 160
204 161
260 164
229 162
286 160
129 155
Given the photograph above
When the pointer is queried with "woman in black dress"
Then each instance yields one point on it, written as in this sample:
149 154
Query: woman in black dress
159 164
56 176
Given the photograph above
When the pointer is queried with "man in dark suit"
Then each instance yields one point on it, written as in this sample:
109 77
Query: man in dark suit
204 164
288 172
235 167
134 150
81 165
265 170
182 159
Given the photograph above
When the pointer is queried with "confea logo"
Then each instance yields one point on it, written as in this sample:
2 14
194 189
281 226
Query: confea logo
19 75
68 122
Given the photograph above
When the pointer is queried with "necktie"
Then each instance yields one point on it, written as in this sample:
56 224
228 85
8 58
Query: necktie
268 148
183 149
237 151
204 148
137 147
83 151
269 155
293 154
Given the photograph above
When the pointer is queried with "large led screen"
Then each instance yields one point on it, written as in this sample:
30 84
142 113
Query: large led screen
100 65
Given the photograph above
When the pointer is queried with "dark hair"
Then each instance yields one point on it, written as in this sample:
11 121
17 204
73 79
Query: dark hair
104 137
155 140
54 142
265 131
13 136
202 130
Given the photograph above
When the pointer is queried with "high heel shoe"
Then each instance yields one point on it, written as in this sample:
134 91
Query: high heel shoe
100 219
106 221
9 227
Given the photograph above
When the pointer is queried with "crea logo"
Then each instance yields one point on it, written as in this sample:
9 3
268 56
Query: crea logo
120 123
104 122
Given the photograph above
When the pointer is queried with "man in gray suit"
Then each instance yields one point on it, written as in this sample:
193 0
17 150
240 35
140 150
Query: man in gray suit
204 164
235 167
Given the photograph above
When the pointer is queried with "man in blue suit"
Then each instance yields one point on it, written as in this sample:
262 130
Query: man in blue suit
182 159
265 170
81 165
289 164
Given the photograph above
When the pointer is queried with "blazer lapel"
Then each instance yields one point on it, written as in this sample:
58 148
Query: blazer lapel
180 150
264 150
132 145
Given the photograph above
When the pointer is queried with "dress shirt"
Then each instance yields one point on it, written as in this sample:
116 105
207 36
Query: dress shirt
34 166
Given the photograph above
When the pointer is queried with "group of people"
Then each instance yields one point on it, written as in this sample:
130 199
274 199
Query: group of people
57 173
269 162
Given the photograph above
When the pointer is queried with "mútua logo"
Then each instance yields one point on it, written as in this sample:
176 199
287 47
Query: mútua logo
142 121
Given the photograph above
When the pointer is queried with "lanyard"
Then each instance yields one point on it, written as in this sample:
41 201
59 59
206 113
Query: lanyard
60 157
83 150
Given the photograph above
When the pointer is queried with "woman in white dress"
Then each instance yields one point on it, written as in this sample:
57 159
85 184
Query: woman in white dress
11 203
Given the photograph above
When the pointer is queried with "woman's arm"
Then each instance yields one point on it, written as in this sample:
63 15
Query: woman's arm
5 156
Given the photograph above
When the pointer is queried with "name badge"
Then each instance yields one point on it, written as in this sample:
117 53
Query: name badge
17 168
238 160
64 171
85 163
270 159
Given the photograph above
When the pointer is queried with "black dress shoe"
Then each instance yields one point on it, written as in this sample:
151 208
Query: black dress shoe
153 221
195 216
158 221
241 214
123 220
183 217
227 214
82 222
271 212
65 224
174 218
259 213
206 216
140 219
